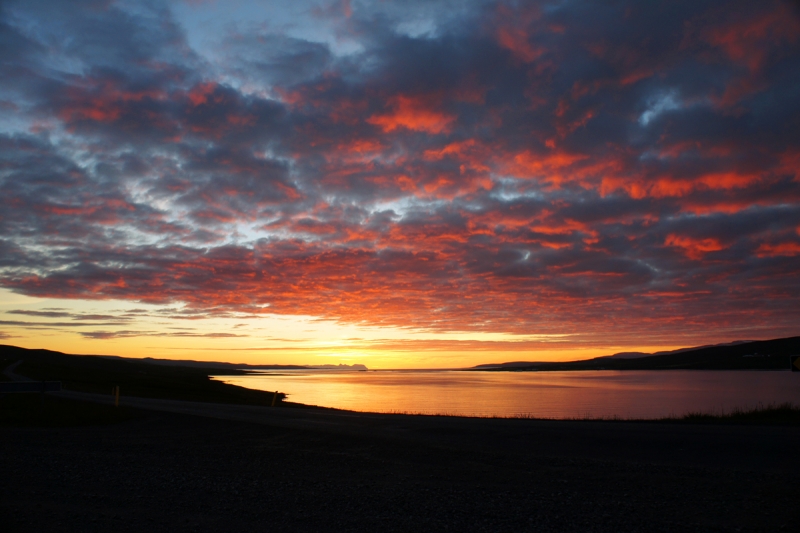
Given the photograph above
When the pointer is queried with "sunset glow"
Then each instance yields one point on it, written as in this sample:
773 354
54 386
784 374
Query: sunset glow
400 184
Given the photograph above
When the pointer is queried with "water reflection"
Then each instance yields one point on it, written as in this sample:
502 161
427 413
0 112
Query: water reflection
597 394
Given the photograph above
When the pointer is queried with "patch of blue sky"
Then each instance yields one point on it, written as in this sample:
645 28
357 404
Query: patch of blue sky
659 105
510 189
206 22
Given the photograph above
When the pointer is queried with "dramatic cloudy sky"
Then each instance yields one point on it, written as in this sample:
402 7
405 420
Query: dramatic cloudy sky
411 183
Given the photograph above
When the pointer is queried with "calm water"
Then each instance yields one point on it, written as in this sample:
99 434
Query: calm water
630 394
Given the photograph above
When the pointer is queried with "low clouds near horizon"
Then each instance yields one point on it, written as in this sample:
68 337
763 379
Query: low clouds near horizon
627 169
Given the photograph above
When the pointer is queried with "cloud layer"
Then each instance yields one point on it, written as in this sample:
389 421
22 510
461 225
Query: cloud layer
628 169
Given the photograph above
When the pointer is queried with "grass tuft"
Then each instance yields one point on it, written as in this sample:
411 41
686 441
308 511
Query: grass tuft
771 414
780 413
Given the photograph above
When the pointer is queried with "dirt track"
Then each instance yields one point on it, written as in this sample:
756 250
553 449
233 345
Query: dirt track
304 470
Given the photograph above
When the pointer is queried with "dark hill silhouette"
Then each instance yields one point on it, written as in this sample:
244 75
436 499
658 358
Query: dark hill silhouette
148 377
135 377
740 355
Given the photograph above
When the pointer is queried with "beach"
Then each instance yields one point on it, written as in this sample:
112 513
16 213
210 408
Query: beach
322 470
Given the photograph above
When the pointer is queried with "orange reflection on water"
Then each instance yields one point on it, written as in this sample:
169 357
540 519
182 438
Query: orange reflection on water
597 394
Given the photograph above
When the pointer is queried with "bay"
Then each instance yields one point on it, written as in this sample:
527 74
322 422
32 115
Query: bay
557 395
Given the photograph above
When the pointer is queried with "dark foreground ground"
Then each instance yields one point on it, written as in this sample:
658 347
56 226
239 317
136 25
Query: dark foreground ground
153 471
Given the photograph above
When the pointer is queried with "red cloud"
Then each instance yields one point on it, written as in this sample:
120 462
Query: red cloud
497 174
694 248
752 40
753 37
516 41
103 100
781 249
200 93
413 113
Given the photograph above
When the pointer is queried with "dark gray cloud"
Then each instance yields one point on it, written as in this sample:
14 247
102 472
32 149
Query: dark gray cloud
58 325
64 314
265 59
512 166
122 334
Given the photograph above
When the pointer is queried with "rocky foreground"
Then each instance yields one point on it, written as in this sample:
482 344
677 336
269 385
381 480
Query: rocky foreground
171 472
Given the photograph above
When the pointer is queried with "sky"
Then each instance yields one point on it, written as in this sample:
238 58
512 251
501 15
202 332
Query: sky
399 184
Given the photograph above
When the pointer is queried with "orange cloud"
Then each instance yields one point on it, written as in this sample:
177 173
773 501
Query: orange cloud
694 248
550 167
417 114
675 187
782 249
452 149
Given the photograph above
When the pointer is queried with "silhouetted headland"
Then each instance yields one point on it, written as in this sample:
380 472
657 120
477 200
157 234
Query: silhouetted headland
740 355
136 377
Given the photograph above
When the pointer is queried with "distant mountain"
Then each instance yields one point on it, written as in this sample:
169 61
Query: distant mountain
638 355
339 367
210 366
134 377
629 355
503 366
738 355
241 366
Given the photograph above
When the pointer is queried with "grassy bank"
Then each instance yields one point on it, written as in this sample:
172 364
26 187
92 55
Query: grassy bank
784 414
781 414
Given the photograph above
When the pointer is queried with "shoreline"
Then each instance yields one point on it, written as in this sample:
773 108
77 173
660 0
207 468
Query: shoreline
683 395
750 416
783 413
